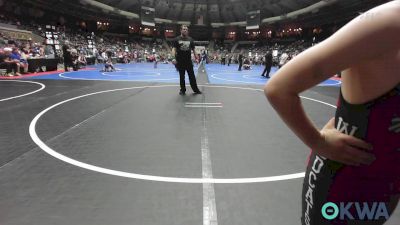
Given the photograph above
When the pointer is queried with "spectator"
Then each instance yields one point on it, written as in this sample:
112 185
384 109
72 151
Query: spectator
7 63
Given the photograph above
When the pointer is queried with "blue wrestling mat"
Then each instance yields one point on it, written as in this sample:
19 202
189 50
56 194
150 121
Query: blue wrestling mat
124 72
224 74
166 73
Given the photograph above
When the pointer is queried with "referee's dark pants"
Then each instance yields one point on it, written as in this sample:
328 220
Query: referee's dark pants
182 68
240 65
267 70
67 63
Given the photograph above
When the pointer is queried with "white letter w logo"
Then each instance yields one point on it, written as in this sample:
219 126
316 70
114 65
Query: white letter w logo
343 127
395 126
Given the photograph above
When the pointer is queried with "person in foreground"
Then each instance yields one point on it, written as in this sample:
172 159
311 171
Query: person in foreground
353 174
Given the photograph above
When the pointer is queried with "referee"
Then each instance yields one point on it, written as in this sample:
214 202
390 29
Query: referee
182 47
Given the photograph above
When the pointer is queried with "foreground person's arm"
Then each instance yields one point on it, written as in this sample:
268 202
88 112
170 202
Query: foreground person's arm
362 39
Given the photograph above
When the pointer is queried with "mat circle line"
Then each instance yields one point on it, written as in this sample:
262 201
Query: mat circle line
47 149
80 78
157 74
213 75
23 81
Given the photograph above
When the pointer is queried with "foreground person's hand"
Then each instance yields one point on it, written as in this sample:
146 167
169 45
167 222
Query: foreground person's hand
343 148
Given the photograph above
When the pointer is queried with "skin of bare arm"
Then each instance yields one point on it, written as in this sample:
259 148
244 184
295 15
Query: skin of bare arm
174 55
195 56
359 41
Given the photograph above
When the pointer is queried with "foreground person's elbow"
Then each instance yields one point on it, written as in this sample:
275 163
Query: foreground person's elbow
271 91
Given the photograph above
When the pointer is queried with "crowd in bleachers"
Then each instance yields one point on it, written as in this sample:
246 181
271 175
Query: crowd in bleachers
14 54
254 53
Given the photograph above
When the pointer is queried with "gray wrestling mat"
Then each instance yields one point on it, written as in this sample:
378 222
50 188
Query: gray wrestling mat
101 153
